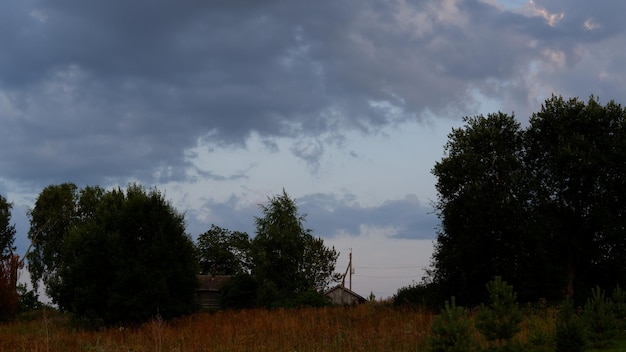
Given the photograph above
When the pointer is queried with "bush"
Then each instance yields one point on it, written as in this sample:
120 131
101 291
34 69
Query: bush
422 295
240 292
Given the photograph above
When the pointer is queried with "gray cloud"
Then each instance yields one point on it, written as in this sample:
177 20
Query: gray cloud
328 216
102 92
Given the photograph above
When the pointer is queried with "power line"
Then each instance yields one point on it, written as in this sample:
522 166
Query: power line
386 276
392 267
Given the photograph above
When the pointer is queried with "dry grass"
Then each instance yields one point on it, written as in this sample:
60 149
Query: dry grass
370 327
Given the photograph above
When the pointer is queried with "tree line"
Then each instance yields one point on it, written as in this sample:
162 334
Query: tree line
542 206
123 256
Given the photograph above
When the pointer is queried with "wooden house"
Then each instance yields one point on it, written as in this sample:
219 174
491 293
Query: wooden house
209 290
342 295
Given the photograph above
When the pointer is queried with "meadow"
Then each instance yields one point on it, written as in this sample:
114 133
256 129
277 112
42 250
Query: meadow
368 327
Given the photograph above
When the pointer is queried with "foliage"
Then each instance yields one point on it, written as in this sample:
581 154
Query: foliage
240 292
113 256
29 299
619 306
570 330
223 252
500 321
482 201
7 230
451 330
9 263
415 295
545 206
600 319
287 258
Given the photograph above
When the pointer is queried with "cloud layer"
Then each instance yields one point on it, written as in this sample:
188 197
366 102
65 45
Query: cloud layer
100 92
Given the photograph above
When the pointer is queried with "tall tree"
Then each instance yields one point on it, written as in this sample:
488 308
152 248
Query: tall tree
223 251
482 202
544 207
286 256
51 219
577 154
8 263
124 257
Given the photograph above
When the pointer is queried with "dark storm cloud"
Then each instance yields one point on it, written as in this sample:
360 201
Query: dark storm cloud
93 92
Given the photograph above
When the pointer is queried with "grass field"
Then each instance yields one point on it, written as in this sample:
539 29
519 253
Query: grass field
369 327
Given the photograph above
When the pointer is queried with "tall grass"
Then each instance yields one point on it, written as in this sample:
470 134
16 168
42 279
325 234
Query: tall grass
370 327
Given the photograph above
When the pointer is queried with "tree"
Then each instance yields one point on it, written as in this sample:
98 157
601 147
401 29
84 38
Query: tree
451 330
482 200
53 216
223 252
287 258
500 321
576 152
544 206
8 263
121 256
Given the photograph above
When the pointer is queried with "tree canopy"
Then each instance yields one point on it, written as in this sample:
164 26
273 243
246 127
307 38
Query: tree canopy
223 252
8 263
542 207
283 265
112 256
287 254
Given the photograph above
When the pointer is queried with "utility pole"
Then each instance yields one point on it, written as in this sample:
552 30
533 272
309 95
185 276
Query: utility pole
351 270
348 270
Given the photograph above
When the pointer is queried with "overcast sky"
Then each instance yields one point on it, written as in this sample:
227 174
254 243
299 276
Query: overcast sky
346 104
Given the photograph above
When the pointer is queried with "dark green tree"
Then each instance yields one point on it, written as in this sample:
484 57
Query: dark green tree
287 259
482 201
543 207
54 214
7 230
124 257
576 154
8 263
223 252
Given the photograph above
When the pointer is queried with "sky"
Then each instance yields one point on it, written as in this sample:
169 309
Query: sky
344 104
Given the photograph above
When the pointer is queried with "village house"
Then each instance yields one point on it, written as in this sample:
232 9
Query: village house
342 295
209 290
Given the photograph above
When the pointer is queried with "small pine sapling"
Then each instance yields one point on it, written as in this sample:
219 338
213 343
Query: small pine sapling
600 318
619 306
500 321
451 330
570 330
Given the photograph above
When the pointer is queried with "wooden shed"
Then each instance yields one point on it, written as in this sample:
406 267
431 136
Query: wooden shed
209 291
342 295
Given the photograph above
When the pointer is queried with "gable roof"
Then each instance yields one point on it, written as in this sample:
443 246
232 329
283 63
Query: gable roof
346 291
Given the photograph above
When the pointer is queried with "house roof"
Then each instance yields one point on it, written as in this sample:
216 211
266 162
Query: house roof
212 282
346 290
